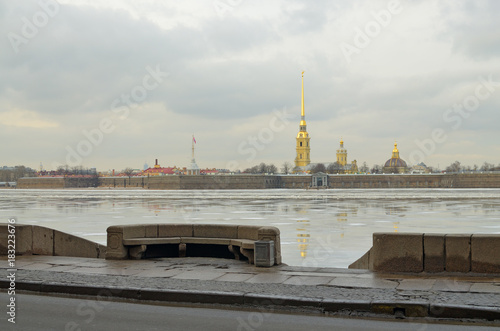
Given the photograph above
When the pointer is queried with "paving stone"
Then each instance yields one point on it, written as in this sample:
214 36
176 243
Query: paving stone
196 274
416 284
235 277
36 266
268 278
189 278
159 272
363 283
450 285
485 287
62 268
308 280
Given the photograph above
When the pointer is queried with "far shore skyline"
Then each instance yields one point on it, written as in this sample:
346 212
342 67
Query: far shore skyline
116 84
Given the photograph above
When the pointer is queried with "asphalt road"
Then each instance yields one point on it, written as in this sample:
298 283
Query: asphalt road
38 312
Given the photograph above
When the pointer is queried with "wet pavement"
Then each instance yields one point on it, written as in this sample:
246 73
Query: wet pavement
236 283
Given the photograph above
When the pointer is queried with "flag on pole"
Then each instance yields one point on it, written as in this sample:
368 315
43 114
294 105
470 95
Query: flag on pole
194 140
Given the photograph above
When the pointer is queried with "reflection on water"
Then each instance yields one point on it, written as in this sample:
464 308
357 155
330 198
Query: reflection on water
327 228
303 236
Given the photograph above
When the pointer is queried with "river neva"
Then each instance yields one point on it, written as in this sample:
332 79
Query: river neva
325 228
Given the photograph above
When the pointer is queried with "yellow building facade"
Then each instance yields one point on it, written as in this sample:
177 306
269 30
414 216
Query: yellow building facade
342 154
302 147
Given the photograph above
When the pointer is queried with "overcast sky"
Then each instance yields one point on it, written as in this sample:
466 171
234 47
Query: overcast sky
115 84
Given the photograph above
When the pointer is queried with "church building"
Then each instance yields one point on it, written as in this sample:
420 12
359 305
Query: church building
302 141
395 164
351 168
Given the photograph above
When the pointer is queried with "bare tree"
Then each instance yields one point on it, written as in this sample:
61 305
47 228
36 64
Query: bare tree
364 168
487 166
262 168
454 167
128 172
320 167
334 168
286 168
376 169
271 168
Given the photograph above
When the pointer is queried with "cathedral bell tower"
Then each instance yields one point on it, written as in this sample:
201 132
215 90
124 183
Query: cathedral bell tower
342 154
302 147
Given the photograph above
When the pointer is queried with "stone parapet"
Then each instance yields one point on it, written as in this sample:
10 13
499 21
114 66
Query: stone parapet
39 240
431 253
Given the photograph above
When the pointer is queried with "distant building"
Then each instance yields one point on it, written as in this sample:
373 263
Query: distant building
420 168
157 170
342 160
395 164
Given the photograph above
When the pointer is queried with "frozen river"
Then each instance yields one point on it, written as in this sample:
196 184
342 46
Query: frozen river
325 228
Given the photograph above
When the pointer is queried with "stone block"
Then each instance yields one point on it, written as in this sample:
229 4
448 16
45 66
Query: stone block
434 254
457 252
248 232
175 230
151 230
361 263
23 239
272 233
485 253
397 252
43 240
115 248
68 245
133 231
215 231
3 239
206 241
264 253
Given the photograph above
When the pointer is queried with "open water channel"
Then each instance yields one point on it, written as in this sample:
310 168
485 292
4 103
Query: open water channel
319 228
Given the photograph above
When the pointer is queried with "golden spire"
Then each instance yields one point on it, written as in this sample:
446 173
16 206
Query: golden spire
302 113
341 142
395 151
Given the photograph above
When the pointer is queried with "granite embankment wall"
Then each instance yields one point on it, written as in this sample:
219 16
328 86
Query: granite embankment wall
39 240
56 182
484 180
430 252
